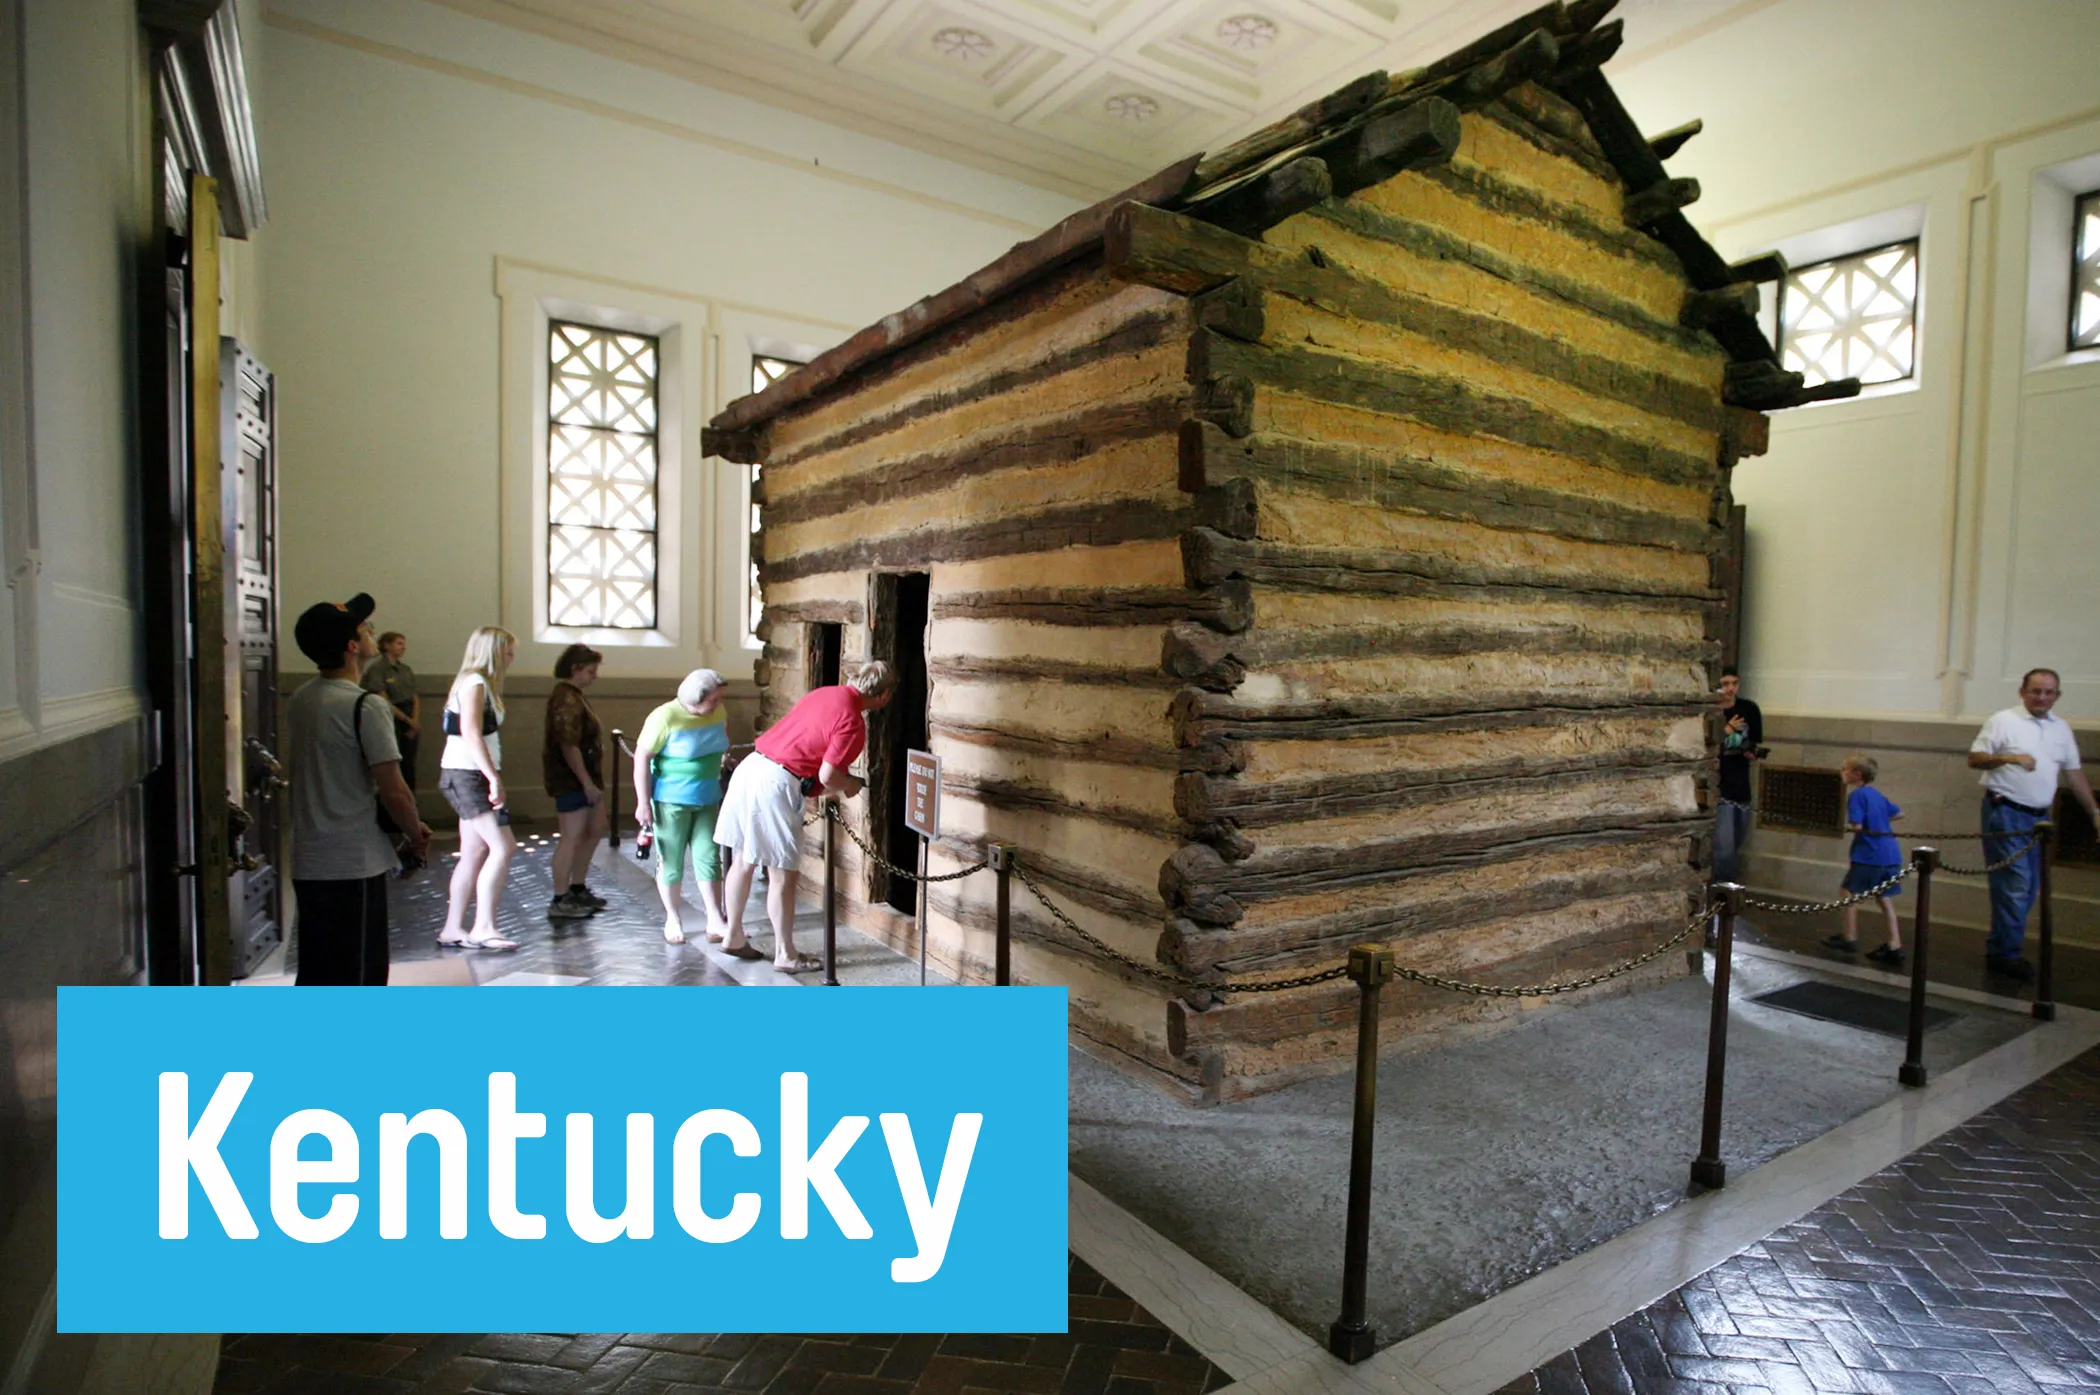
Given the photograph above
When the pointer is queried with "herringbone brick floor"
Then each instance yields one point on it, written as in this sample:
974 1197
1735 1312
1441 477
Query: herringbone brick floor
1114 1347
1972 1267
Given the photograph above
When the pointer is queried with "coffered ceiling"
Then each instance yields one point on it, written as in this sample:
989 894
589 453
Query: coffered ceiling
1081 96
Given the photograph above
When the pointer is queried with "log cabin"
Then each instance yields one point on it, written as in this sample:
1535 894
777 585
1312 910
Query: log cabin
1322 541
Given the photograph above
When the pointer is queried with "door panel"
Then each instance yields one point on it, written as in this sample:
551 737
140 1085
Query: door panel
248 481
210 732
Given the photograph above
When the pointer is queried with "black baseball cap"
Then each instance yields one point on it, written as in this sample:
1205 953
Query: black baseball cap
326 630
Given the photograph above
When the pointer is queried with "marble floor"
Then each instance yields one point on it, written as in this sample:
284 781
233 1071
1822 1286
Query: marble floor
1973 1196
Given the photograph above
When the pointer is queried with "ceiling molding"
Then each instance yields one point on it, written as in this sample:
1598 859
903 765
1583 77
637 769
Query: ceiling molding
844 99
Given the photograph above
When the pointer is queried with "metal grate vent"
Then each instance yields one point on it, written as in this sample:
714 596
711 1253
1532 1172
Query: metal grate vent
1801 799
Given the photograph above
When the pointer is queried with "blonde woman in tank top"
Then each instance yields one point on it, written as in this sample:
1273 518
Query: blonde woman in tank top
470 776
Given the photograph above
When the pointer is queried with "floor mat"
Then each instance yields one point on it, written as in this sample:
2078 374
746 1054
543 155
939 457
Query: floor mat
1851 1007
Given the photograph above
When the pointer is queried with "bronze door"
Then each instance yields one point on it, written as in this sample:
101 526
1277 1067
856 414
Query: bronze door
248 484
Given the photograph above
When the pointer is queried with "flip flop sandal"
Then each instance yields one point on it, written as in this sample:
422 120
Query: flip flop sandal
452 944
746 950
804 964
490 942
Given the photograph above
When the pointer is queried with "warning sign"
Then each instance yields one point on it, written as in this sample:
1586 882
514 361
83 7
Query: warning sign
922 793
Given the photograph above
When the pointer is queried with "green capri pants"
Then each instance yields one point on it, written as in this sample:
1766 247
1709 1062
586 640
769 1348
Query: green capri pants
680 827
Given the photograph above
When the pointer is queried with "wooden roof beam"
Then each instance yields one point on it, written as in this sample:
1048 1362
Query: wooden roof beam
1672 140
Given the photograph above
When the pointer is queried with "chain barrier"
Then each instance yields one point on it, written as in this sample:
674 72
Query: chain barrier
888 866
1306 980
2000 865
1810 907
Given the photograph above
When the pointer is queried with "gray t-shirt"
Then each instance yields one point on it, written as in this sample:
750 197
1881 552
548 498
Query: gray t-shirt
335 836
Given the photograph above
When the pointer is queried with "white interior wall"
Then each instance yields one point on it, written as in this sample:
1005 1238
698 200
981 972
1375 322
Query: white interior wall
71 547
1909 553
419 161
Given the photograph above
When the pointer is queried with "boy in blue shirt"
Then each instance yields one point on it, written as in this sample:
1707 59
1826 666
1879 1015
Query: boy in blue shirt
1876 857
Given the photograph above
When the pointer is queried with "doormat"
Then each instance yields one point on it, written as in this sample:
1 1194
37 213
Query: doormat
1868 1011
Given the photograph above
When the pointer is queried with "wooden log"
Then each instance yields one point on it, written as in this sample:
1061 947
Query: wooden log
1532 56
1094 524
1217 756
1482 185
1705 308
1196 654
816 612
979 669
1227 401
1280 946
1450 404
1759 384
1393 480
1424 132
1228 606
1497 41
1147 328
1199 885
1434 243
1757 270
1746 433
1646 206
1669 142
1520 117
1027 262
744 447
1054 441
1266 199
1037 797
1236 731
1233 309
1837 389
1165 244
1583 54
1199 716
1200 798
1213 557
1300 126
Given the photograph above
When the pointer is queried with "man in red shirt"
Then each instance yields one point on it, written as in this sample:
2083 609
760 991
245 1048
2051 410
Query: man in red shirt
802 756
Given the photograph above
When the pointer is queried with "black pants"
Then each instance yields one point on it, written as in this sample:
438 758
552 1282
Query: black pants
407 744
342 931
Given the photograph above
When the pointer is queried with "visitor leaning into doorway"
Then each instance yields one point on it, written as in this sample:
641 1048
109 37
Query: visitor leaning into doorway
2021 752
1742 741
570 759
470 777
396 682
678 793
803 755
341 747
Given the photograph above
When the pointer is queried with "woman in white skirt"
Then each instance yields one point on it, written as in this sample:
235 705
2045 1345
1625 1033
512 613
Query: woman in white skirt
802 756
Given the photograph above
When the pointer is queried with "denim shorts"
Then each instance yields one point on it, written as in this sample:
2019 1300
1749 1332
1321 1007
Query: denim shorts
572 802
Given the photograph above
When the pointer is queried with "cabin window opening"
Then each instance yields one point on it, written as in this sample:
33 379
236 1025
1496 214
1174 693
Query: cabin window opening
826 641
901 612
766 370
2085 272
1852 317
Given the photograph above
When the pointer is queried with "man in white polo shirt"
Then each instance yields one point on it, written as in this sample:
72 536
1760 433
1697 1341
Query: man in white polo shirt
2021 751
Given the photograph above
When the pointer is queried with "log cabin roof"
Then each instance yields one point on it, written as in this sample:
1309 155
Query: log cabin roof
1541 69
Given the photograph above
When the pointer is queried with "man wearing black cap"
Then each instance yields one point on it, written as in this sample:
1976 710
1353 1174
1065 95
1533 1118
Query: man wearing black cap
342 753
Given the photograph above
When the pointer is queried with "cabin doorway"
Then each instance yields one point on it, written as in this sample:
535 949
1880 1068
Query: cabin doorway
901 612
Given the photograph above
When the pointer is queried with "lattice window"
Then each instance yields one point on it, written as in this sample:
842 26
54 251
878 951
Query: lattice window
766 370
2085 273
601 477
1852 317
1800 798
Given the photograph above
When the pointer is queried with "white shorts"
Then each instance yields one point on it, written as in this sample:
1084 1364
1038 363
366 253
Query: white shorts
761 818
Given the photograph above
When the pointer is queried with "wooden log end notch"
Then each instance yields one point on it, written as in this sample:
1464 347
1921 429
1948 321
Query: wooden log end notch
1646 207
1424 132
1705 309
1268 198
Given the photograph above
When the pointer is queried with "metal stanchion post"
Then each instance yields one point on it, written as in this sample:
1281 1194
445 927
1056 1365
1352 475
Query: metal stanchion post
2045 961
1927 861
829 809
612 798
1350 1337
921 901
1001 856
1707 1169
